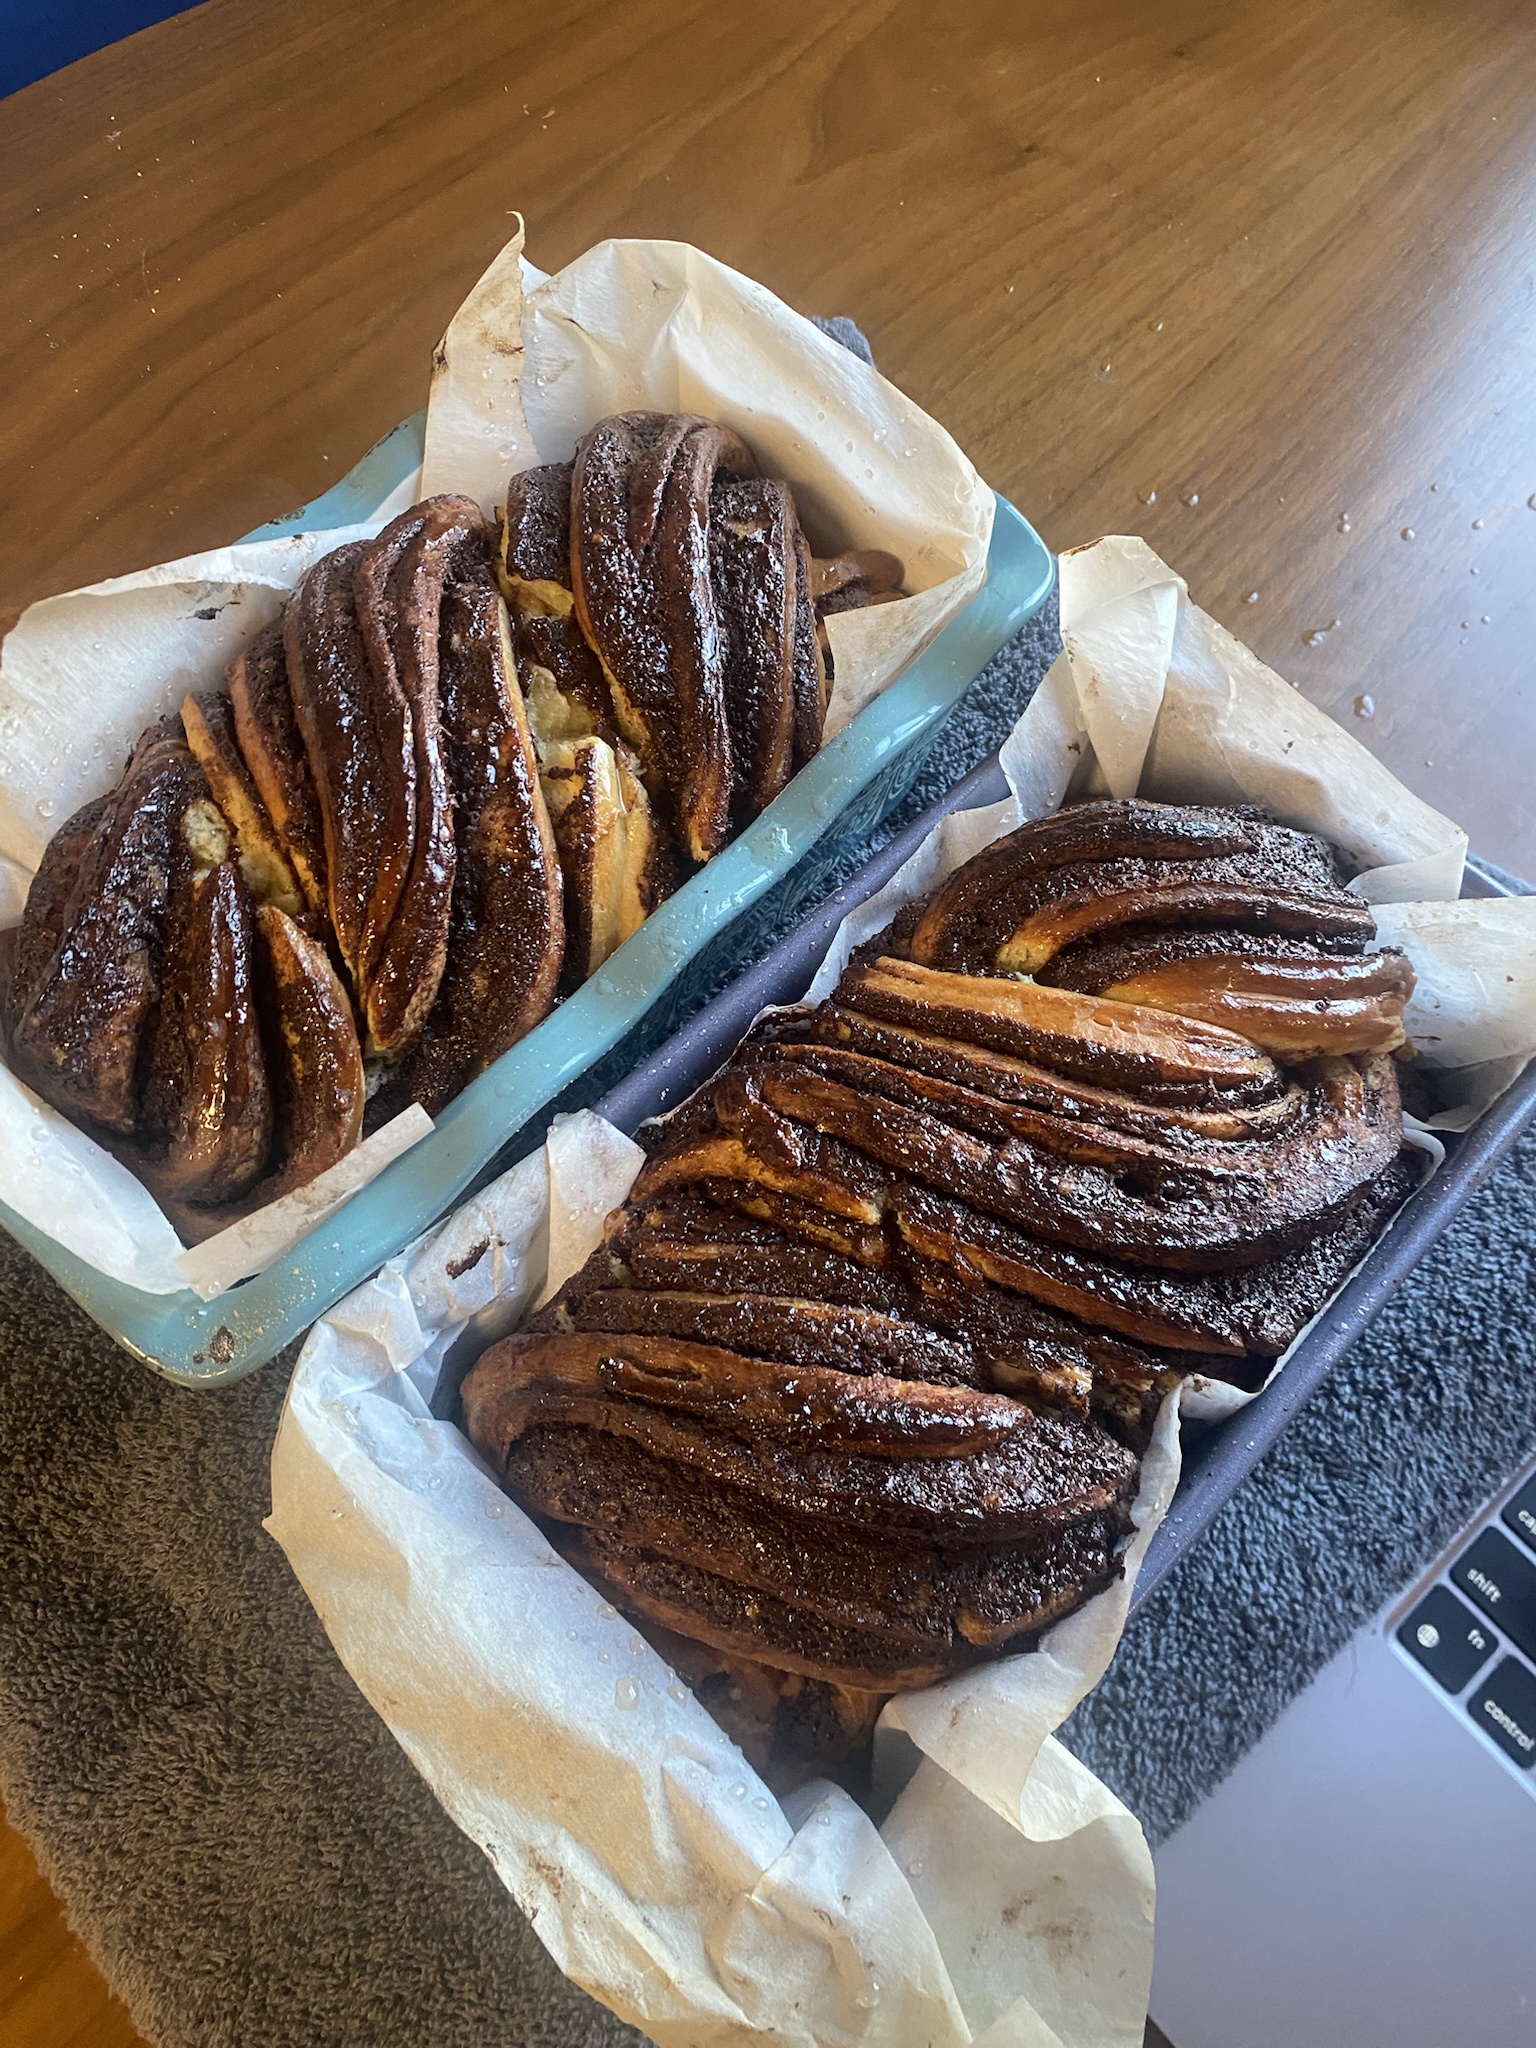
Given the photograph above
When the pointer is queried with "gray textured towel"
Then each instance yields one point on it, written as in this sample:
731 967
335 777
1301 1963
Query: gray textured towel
1432 1411
249 1854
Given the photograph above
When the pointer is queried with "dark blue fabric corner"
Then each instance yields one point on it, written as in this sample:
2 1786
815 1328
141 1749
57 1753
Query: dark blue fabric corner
39 36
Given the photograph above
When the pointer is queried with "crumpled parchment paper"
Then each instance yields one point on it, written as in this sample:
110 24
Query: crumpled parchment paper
1007 1896
515 381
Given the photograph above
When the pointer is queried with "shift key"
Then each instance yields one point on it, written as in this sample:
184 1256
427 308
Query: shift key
1502 1580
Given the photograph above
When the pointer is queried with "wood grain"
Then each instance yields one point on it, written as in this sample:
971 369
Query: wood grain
51 1995
1273 264
1276 260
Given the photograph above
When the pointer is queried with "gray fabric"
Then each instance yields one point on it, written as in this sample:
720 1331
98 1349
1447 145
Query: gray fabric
842 329
1433 1410
244 1847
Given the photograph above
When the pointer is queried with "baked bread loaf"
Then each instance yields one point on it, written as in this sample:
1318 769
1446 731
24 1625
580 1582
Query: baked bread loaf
854 1393
507 926
616 859
272 748
344 853
1220 915
669 637
646 600
356 875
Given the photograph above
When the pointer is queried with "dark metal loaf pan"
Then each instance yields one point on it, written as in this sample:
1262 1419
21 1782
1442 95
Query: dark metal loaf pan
1216 1460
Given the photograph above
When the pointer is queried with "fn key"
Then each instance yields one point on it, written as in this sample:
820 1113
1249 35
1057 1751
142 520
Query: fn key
1446 1638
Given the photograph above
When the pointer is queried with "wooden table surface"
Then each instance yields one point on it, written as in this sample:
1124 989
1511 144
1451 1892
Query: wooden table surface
1256 282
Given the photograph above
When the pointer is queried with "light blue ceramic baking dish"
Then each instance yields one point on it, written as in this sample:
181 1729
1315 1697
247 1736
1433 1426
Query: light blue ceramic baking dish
853 782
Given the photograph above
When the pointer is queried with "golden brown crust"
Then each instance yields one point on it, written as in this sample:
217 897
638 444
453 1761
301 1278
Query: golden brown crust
936 1612
1078 912
43 917
535 573
507 936
771 1155
841 1395
858 1529
1149 1053
1293 999
315 1067
827 1190
813 661
1257 1310
615 864
356 726
790 1329
539 1378
1197 1207
753 566
76 1038
442 885
658 563
640 559
209 724
398 588
962 1330
319 1067
947 1463
206 1111
1221 916
272 748
1038 1087
616 860
1096 865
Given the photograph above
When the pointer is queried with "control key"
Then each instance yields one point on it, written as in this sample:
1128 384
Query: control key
1505 1708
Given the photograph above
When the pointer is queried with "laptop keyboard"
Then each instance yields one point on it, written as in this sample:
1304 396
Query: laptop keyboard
1472 1629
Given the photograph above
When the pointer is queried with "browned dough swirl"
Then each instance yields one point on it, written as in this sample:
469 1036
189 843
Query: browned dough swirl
640 558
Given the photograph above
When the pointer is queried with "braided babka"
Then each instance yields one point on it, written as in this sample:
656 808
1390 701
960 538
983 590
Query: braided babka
368 865
855 1390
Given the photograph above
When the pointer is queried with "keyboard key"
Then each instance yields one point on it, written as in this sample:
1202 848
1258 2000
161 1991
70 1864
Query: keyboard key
1520 1513
1502 1581
1447 1638
1505 1708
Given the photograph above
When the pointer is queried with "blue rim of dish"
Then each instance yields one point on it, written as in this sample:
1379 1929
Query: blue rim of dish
208 1344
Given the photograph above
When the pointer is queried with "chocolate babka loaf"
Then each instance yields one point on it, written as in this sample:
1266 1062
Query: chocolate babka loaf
855 1390
344 854
366 867
1221 915
670 642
